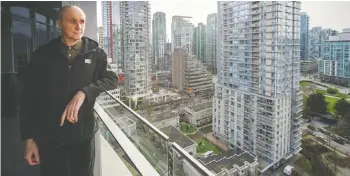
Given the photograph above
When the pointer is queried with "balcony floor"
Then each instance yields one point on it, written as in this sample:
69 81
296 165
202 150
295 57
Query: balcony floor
12 161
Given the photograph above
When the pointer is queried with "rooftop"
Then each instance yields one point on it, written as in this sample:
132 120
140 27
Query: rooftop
176 136
202 106
161 116
226 160
344 36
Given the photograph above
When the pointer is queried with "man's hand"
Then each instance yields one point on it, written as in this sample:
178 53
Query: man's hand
31 152
72 109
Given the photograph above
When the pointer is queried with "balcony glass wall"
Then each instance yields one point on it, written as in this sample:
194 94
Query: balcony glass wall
165 157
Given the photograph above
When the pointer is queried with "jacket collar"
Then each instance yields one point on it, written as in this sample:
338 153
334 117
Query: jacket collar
88 45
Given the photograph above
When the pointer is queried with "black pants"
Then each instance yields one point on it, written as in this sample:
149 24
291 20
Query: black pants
67 160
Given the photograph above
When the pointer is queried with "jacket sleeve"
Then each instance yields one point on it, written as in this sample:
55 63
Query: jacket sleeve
106 79
27 110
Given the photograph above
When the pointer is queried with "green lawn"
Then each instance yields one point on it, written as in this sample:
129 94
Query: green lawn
324 92
304 84
187 128
341 95
331 102
203 146
321 91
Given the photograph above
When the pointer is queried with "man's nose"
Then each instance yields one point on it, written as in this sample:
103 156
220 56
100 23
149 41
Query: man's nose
78 26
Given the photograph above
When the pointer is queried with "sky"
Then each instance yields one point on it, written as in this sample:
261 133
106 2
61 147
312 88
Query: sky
328 14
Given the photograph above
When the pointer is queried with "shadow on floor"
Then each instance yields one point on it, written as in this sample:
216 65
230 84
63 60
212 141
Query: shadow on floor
12 161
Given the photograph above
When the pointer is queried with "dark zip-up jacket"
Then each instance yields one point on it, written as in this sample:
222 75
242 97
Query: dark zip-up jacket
51 83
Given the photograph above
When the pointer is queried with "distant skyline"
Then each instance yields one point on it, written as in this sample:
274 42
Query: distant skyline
328 14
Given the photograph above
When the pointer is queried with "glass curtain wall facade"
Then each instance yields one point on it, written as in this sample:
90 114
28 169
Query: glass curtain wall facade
24 28
304 36
158 39
334 67
182 34
201 42
257 103
211 41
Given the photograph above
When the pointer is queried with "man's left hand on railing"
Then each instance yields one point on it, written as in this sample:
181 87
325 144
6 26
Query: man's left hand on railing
72 109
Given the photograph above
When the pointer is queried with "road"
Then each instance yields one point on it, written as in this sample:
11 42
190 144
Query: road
342 148
319 124
340 88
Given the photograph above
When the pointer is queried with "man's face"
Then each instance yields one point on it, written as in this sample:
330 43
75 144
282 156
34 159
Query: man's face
73 23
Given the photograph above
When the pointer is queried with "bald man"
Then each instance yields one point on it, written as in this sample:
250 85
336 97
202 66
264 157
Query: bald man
63 79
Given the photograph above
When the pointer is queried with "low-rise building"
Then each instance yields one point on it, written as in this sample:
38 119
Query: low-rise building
124 122
199 114
164 119
308 67
106 101
162 96
230 163
175 135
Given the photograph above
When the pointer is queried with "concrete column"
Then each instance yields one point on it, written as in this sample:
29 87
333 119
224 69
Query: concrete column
98 162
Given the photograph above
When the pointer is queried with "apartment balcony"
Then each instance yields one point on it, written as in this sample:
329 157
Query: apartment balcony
254 6
126 145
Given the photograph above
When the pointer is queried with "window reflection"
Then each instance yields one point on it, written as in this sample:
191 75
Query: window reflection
40 18
41 32
22 44
20 11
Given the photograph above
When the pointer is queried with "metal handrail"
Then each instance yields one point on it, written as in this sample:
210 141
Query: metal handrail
140 162
145 121
200 167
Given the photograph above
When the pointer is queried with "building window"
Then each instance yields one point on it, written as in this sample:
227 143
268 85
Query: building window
22 43
40 18
41 34
20 11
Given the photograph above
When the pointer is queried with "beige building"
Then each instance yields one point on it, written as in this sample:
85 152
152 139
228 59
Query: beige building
165 119
188 73
199 114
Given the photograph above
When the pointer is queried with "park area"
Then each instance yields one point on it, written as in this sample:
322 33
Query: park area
317 159
330 96
187 128
203 145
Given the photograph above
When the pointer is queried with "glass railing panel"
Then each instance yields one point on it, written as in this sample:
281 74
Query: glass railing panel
108 136
150 141
183 164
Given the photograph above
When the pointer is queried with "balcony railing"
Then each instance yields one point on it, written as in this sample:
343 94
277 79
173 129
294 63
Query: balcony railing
144 149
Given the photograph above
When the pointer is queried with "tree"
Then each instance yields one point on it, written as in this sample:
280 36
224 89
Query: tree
155 88
317 103
342 107
332 91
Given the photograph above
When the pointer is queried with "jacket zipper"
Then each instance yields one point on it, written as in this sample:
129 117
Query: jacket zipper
70 74
69 85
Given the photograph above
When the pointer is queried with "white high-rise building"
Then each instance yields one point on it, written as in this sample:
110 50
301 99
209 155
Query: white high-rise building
158 39
257 104
111 24
100 37
211 41
136 47
181 33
